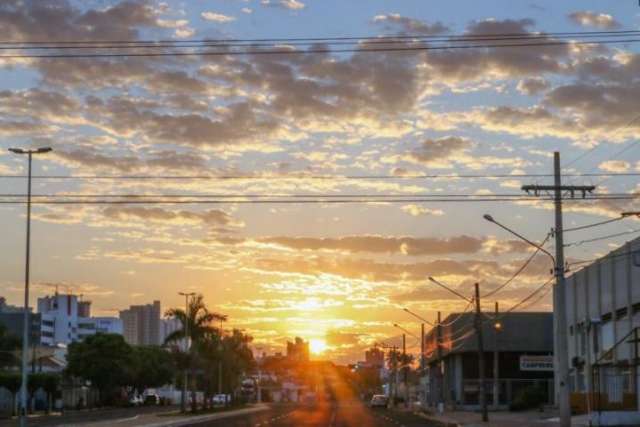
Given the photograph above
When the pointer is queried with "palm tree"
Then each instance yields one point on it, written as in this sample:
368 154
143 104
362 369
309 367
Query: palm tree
198 321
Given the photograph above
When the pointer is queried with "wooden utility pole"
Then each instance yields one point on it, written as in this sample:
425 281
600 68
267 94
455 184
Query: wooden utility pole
496 355
561 345
481 389
440 371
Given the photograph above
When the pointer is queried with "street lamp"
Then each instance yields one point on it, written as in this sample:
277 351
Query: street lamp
561 367
186 296
25 327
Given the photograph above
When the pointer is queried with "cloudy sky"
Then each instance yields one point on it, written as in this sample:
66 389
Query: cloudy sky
335 272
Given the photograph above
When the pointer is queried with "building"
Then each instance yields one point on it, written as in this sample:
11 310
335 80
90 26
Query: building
6 308
523 359
13 321
298 350
64 319
169 326
141 324
374 357
603 317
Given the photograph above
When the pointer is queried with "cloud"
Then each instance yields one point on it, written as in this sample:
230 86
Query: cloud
615 166
587 18
533 85
217 17
210 218
59 20
381 244
434 150
416 210
285 4
161 160
410 25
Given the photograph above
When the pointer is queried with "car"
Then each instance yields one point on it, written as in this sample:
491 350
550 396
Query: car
379 401
152 399
136 401
221 399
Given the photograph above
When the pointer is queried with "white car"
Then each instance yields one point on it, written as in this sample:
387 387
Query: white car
221 399
379 401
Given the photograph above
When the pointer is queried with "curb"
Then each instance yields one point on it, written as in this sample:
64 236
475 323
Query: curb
438 421
204 418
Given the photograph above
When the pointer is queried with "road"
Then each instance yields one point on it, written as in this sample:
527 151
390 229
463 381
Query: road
345 414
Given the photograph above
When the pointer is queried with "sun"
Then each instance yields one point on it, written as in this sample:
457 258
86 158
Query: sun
317 346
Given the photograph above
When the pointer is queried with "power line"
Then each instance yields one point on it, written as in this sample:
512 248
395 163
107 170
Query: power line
385 40
339 38
582 227
314 177
280 51
597 239
520 270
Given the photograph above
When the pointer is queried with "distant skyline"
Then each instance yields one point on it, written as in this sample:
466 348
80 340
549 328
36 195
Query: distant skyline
335 274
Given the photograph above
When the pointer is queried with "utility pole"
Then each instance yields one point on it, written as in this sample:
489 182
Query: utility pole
422 347
26 327
478 324
440 372
496 355
561 347
404 370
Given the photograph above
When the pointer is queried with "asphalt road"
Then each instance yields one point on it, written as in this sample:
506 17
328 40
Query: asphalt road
346 414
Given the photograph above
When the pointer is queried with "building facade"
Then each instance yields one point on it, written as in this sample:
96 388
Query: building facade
603 317
522 359
141 324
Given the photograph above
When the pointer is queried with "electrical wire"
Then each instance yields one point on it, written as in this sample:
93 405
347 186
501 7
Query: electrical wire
469 305
338 38
313 177
582 227
288 52
520 270
597 239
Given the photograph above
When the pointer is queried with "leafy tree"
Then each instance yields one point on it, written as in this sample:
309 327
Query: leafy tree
9 343
103 359
12 382
151 367
198 321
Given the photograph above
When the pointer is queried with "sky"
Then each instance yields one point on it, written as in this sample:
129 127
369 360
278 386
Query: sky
339 274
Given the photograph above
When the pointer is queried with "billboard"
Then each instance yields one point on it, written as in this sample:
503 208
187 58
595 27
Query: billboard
536 363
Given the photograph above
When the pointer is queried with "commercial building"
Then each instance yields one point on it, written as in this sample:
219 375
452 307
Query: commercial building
522 345
298 350
141 324
603 317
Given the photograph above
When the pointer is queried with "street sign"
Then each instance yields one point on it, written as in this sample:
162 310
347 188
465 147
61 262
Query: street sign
536 363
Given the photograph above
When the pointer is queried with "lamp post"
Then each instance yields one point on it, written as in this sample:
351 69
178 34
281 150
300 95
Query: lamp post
25 328
187 348
561 350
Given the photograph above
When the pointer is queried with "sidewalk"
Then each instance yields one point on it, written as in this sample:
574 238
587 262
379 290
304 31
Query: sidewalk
502 419
166 419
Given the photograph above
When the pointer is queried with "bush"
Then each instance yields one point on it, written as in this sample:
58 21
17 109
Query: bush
528 398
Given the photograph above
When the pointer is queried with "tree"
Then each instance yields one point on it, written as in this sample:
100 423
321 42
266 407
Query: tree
151 367
12 382
199 322
9 344
103 359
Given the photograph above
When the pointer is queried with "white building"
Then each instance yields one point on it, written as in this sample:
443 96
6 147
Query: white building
603 317
65 319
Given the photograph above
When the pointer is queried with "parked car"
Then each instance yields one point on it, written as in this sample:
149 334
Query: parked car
136 401
221 399
152 399
379 401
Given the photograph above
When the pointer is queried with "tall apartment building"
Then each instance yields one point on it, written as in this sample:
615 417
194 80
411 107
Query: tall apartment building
141 324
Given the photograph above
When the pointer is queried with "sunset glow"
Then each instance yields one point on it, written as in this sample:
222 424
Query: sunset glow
317 346
311 193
